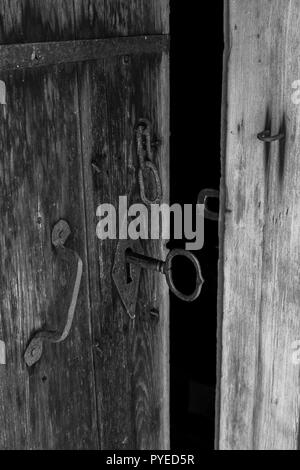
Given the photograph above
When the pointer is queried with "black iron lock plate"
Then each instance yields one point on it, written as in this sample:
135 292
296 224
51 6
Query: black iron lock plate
127 278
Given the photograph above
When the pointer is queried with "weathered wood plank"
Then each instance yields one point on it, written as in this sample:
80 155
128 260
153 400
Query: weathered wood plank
25 21
132 356
107 18
52 405
259 395
48 133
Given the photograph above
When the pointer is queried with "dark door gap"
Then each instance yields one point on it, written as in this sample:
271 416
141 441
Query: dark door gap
196 84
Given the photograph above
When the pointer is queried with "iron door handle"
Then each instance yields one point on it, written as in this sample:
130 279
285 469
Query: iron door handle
60 234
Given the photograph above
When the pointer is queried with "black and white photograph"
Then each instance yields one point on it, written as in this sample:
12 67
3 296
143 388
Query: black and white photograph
149 228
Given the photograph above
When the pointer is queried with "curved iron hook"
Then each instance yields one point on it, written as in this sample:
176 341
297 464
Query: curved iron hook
266 136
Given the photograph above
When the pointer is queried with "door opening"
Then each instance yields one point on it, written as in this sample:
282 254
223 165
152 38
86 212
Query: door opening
196 83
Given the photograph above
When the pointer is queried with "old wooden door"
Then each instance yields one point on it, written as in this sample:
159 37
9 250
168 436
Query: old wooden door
67 137
259 277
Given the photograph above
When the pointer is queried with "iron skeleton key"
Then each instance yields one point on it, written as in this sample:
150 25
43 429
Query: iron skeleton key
130 253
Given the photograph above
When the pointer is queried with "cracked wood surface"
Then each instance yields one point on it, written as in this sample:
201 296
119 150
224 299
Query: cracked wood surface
107 385
259 280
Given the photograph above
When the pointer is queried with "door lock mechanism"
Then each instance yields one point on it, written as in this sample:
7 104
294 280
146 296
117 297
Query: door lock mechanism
130 260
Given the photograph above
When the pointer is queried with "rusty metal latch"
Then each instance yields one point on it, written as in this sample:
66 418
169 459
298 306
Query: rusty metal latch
203 196
146 162
129 261
60 234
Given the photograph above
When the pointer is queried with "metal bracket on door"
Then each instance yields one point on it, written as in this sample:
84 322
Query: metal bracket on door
129 261
146 162
60 234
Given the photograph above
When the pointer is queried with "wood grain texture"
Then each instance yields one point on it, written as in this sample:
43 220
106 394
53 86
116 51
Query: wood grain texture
107 385
50 20
259 389
51 405
35 55
36 20
132 356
